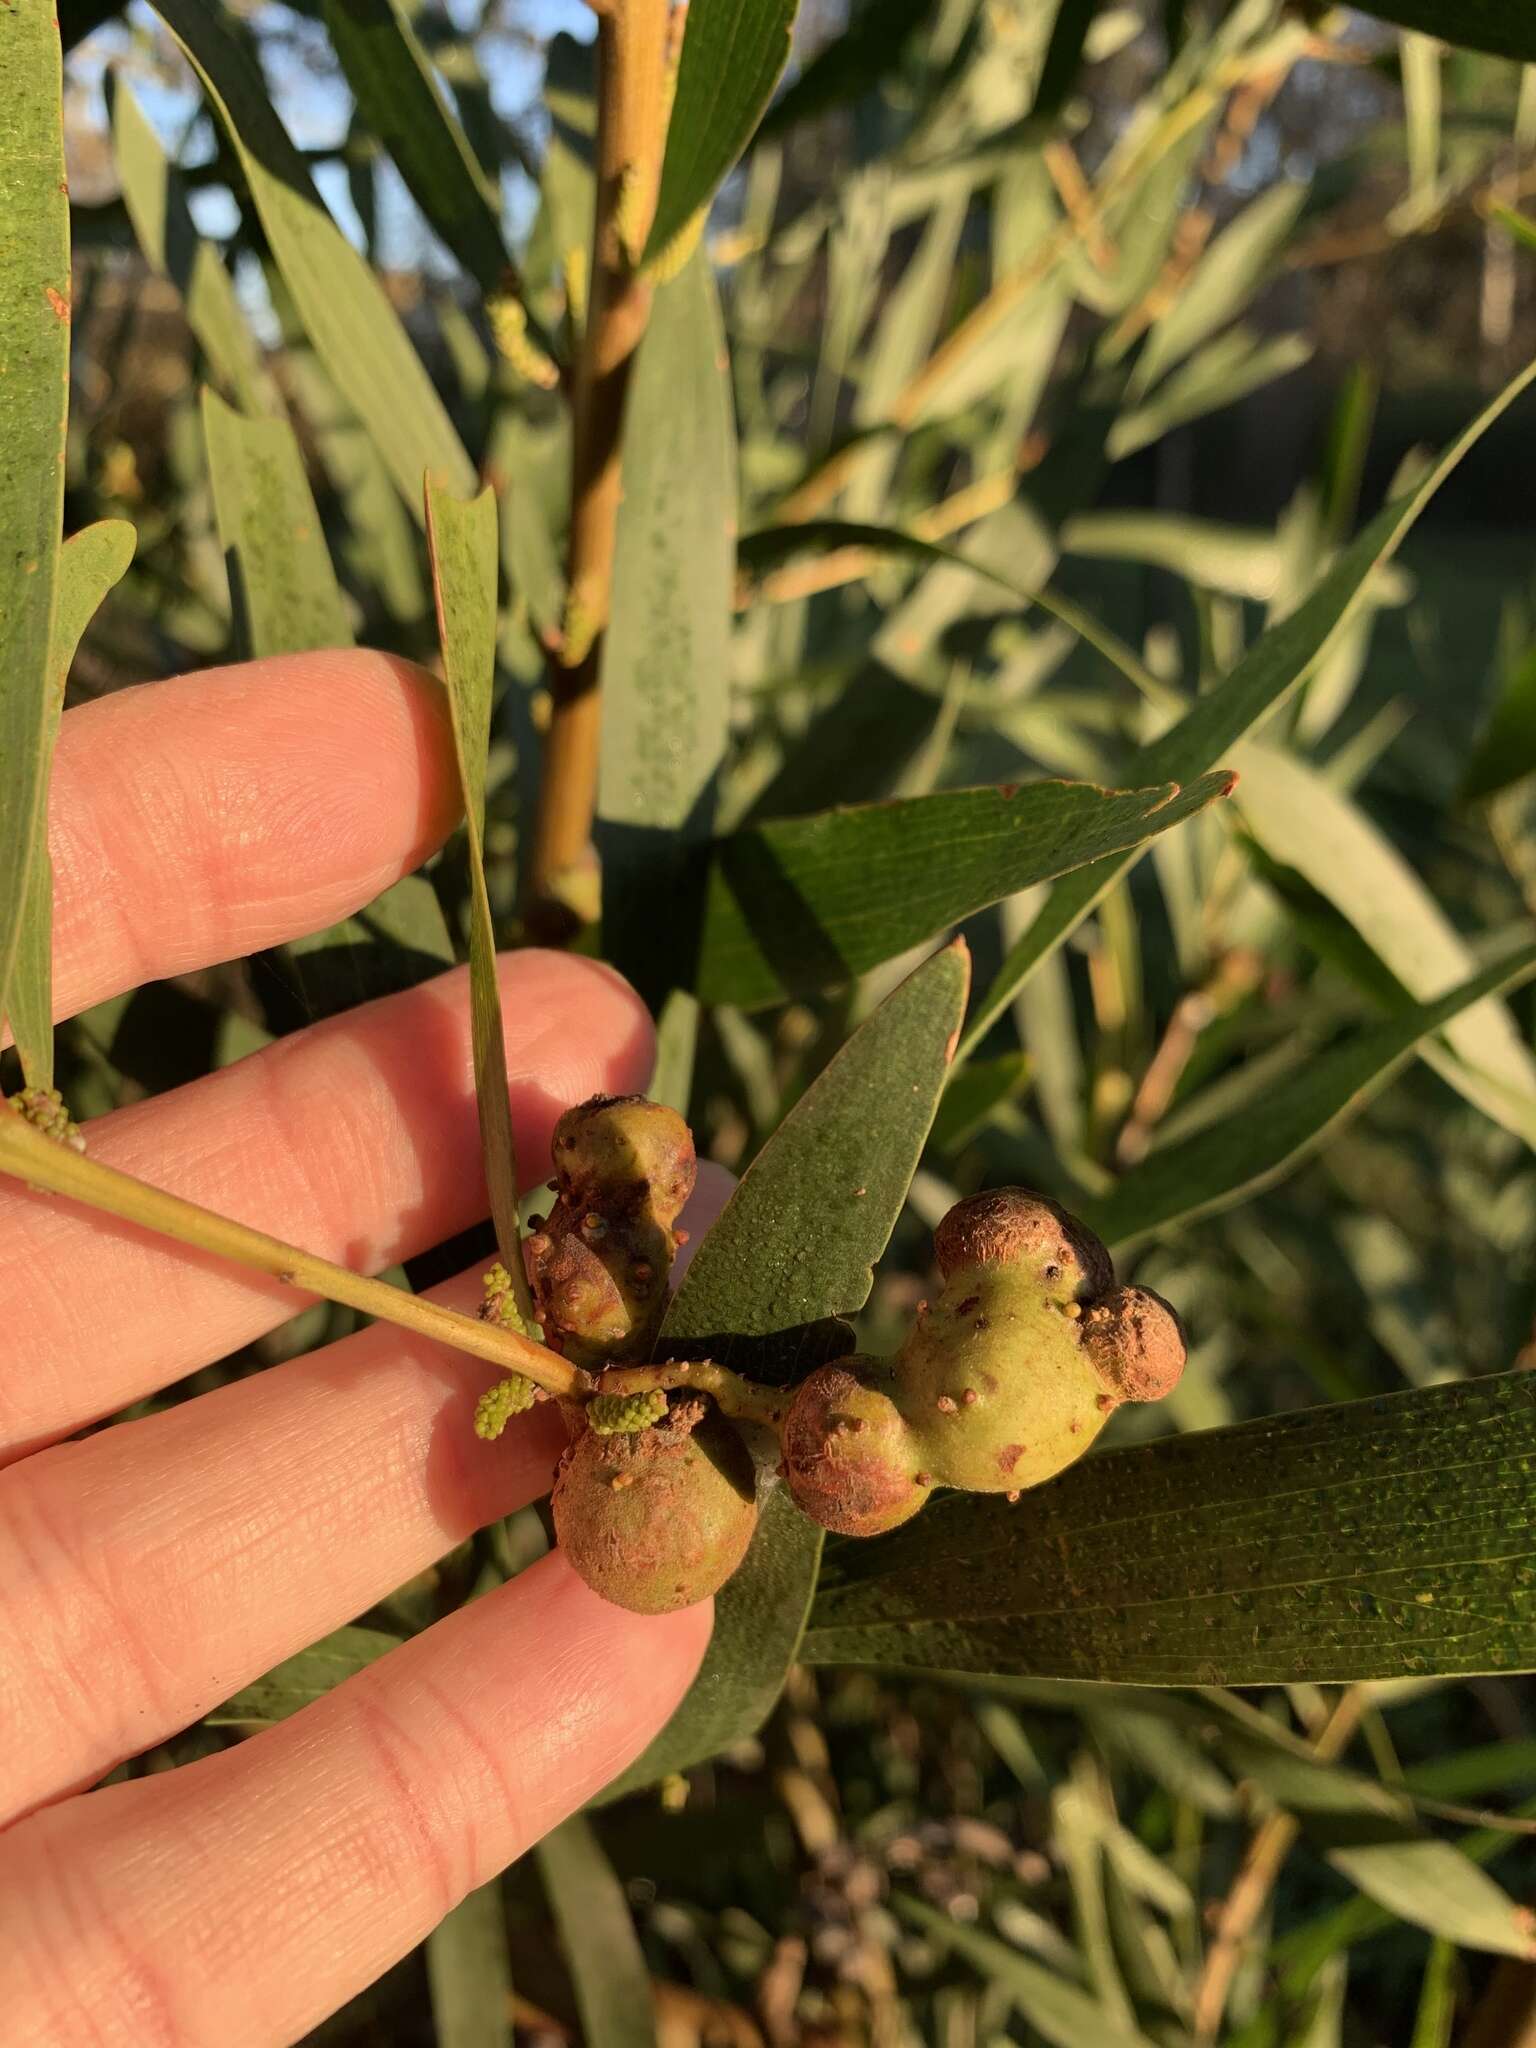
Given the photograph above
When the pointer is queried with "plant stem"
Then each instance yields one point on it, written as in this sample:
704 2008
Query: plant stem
732 1394
54 1169
1268 1847
632 103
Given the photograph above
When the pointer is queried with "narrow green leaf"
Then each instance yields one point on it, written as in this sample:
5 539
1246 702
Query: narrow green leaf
399 98
1436 2016
795 1246
463 543
801 904
34 377
852 64
772 545
1377 1539
1223 281
1284 657
286 601
1215 1166
1506 750
299 1681
1505 28
1520 225
469 1973
975 1096
90 563
282 588
1371 1835
156 199
666 659
1062 2013
356 332
733 53
597 1936
1308 826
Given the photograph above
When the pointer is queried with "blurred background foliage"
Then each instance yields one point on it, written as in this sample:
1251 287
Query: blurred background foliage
1144 306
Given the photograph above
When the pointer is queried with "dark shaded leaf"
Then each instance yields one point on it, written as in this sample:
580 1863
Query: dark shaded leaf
733 53
602 1950
1377 1539
469 1973
801 904
1505 28
867 52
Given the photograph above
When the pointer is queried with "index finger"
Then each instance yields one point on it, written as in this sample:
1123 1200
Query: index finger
200 819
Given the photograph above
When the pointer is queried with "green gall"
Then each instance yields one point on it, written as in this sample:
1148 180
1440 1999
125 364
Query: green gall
624 1414
600 1264
1014 1369
497 1405
850 1461
657 1520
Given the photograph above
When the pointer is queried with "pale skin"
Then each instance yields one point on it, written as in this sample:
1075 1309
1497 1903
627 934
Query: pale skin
149 1570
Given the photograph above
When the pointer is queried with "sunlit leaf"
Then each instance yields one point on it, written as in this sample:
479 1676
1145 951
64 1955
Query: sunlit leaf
356 331
90 563
733 53
34 378
1262 680
666 656
462 539
1308 826
156 199
1232 1156
282 587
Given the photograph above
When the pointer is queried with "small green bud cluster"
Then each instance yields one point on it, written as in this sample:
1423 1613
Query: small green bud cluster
1004 1380
44 1108
513 1395
499 1304
625 1414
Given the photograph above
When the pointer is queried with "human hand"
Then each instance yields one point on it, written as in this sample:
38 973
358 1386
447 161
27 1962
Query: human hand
150 1570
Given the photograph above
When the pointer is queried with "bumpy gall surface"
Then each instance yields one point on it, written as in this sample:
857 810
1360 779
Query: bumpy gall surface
660 1519
599 1264
1136 1342
1000 1382
849 1459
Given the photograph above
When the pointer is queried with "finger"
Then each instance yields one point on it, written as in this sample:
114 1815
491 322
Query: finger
357 1139
203 818
150 1571
240 1899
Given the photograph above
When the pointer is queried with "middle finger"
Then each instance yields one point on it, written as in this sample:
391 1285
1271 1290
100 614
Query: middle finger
356 1139
151 1570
